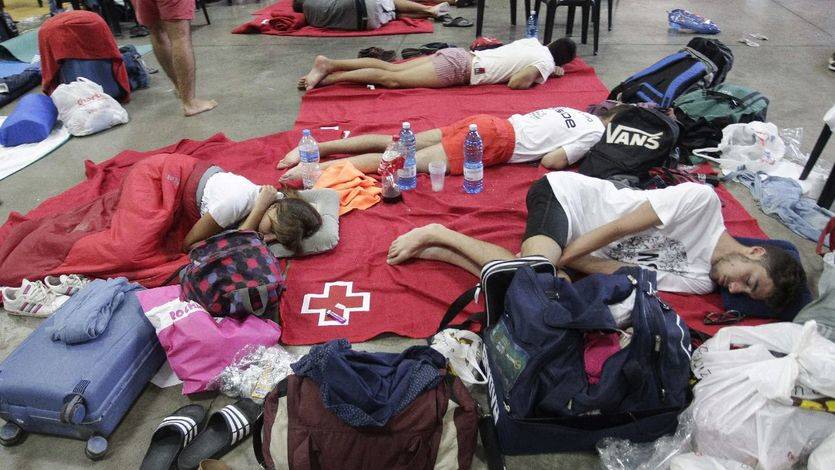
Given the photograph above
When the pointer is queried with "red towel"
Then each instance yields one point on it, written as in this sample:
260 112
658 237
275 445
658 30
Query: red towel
279 19
78 35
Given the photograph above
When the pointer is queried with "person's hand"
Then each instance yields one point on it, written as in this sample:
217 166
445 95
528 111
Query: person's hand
559 71
266 197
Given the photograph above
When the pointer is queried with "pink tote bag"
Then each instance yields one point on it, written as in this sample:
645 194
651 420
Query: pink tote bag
199 346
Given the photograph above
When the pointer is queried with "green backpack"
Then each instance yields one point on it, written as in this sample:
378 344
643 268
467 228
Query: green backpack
702 114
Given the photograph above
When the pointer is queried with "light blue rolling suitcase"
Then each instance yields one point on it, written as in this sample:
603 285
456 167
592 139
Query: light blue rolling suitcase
83 390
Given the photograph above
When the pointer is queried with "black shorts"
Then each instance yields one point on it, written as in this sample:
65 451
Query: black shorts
545 213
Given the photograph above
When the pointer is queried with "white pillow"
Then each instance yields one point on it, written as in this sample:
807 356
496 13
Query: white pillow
326 202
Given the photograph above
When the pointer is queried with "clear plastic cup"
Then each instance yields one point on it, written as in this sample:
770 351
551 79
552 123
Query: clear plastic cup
437 171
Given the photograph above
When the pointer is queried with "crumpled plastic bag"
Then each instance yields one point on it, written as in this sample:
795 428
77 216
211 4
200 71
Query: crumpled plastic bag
255 371
745 410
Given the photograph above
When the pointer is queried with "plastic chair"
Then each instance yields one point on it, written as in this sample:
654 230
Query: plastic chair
589 7
828 194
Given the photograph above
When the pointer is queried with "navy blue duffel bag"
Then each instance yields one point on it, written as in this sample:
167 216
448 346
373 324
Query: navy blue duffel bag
540 396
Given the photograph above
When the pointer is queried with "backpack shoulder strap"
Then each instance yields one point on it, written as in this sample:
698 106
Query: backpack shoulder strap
279 391
458 306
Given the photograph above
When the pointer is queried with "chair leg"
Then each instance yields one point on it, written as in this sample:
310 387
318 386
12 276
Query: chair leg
584 35
479 17
596 19
609 12
550 12
823 138
513 12
569 21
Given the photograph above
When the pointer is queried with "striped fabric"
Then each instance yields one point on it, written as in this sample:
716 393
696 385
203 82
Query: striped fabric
183 424
237 423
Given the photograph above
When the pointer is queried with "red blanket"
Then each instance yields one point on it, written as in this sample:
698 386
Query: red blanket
410 299
363 110
78 35
279 19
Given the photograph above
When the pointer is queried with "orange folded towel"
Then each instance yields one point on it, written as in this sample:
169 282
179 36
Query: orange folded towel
356 190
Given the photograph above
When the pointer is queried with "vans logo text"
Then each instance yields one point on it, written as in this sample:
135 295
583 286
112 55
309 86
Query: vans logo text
630 136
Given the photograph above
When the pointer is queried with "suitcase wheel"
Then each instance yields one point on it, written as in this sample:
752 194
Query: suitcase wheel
11 434
96 448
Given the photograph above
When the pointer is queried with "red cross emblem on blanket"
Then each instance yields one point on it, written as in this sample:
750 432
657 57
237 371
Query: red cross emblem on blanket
338 297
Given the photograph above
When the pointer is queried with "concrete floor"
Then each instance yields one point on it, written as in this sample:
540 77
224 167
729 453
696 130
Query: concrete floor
253 78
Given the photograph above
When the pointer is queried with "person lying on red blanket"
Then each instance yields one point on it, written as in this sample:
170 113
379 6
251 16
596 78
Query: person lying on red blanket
589 225
166 204
520 64
558 137
343 14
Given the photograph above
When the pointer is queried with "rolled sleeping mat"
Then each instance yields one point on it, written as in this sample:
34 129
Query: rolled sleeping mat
31 121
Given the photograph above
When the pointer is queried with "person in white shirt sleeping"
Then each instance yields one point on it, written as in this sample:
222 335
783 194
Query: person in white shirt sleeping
558 137
521 64
591 226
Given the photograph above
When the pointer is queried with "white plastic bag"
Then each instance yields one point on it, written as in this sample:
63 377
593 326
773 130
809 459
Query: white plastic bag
743 408
823 458
85 108
755 145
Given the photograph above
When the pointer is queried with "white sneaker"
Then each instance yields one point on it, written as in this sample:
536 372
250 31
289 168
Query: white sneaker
66 284
32 299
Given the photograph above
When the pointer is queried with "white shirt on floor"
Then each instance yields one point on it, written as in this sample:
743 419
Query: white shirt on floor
499 64
546 130
679 249
228 197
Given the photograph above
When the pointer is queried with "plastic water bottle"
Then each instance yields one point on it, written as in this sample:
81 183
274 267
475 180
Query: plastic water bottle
473 163
533 25
309 156
391 164
407 177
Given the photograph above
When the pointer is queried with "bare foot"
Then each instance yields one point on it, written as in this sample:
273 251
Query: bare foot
439 9
321 68
291 159
197 106
410 244
293 174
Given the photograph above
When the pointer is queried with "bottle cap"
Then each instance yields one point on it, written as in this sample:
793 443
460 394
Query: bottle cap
473 127
306 132
395 138
406 125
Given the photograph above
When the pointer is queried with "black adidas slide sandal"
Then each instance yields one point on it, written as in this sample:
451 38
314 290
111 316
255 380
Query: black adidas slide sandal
225 429
171 436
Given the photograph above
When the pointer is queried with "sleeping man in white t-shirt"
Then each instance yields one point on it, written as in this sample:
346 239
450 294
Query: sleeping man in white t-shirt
589 225
558 137
520 64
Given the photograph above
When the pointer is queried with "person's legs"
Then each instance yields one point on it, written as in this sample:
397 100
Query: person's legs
410 244
162 51
369 143
323 66
370 162
428 138
182 58
412 9
445 255
420 75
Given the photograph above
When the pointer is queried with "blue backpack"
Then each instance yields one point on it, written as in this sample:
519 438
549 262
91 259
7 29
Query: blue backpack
704 63
540 397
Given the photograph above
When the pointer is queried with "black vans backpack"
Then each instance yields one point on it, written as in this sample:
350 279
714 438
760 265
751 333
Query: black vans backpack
702 114
704 63
636 140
